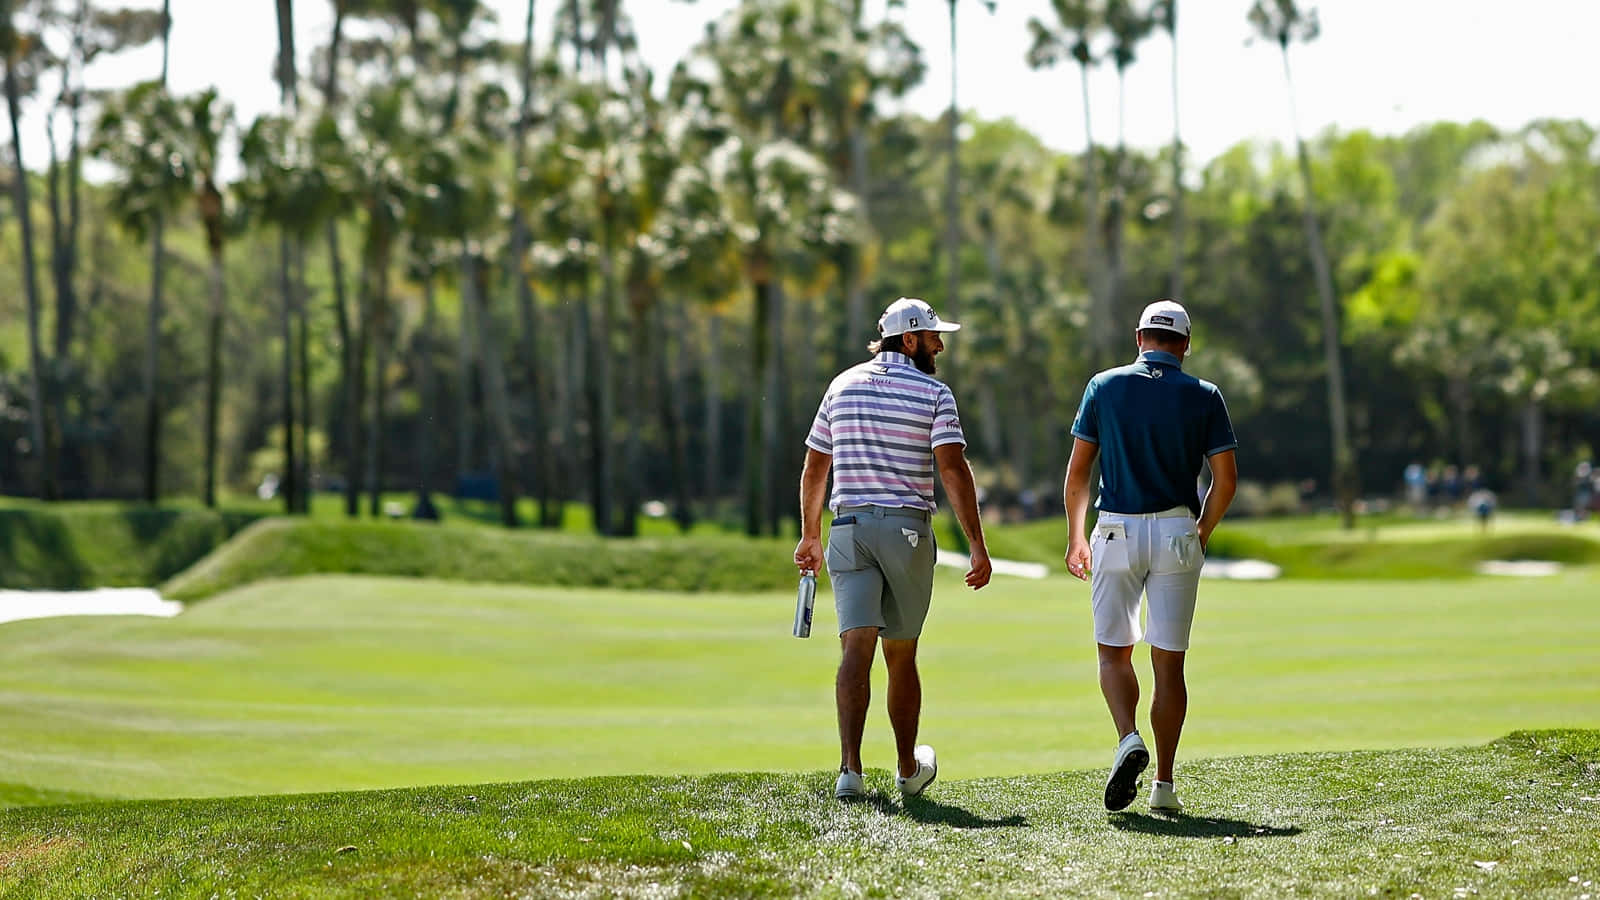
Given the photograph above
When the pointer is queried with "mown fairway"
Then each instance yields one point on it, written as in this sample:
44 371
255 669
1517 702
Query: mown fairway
341 683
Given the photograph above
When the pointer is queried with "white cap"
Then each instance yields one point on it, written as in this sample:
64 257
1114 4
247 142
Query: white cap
1166 315
911 314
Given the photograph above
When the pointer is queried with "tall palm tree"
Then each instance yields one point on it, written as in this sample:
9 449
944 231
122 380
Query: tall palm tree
952 182
288 99
15 47
1128 26
138 134
1166 16
1283 22
1078 24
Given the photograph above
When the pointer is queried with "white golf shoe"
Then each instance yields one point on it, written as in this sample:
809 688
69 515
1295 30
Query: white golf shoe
850 786
1123 784
1163 797
927 770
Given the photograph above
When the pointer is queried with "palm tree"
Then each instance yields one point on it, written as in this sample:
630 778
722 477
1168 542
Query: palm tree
1283 22
289 99
137 133
1128 27
1078 24
952 182
15 48
1166 16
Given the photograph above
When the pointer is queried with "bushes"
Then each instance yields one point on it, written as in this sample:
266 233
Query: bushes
282 548
102 545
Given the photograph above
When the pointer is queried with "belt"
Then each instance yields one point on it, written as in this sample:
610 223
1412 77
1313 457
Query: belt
902 512
1177 512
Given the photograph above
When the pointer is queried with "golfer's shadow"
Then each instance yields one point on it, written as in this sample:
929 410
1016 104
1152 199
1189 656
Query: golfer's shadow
1181 825
932 812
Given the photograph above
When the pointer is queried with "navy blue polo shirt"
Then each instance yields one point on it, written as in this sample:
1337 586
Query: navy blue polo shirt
1155 425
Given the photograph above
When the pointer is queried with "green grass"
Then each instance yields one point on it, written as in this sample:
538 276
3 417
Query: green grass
1315 547
1518 817
279 548
84 545
333 683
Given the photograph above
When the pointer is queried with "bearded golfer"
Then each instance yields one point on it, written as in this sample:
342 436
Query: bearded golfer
1152 426
881 427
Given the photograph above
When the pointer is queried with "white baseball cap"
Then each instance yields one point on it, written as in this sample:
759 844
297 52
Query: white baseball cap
911 314
1166 315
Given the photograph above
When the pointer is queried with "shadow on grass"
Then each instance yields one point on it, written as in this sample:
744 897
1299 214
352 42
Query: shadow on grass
1181 825
932 812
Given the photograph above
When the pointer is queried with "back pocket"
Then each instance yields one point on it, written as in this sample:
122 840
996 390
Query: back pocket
1108 548
1177 548
841 555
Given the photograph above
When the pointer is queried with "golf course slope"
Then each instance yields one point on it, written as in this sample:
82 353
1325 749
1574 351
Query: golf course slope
1517 817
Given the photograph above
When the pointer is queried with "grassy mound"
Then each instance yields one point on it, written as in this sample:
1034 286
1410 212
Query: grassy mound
281 548
1518 817
77 546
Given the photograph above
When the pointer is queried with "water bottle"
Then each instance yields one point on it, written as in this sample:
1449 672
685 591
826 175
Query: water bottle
804 601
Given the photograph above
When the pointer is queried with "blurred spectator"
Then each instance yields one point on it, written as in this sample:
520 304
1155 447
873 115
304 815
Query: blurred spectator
1416 478
1583 490
1482 502
1474 480
1452 486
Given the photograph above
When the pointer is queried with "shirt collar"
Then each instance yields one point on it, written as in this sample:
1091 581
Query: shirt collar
1161 358
891 358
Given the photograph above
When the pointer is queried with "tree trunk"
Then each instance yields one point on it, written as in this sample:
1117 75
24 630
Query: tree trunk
356 394
291 462
302 299
670 400
755 483
382 341
952 203
543 469
856 284
1116 222
213 375
426 431
1532 448
1345 475
42 449
351 362
776 422
465 377
1175 286
601 399
494 388
640 361
711 368
1101 329
152 357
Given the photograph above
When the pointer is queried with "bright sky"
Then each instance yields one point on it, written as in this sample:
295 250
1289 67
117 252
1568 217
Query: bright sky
1386 65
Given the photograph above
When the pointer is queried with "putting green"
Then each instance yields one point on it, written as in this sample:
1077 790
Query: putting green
340 683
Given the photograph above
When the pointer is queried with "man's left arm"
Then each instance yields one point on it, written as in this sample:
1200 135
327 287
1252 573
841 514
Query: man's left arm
1224 482
959 486
813 490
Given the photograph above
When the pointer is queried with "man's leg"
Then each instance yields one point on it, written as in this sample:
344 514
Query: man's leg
1168 707
1120 686
853 691
905 700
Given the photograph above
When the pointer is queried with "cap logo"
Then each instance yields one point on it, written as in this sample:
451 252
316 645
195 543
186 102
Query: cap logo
1160 320
913 321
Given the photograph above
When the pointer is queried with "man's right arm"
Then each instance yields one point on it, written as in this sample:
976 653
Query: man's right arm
1224 482
1075 496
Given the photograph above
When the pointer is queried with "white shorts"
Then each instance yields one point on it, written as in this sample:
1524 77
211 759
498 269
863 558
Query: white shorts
1157 554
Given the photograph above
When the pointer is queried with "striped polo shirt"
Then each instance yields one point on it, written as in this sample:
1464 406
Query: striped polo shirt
880 421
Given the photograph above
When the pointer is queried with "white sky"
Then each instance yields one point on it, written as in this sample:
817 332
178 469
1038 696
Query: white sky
1380 64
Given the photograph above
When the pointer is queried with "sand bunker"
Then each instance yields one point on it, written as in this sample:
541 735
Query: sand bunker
16 605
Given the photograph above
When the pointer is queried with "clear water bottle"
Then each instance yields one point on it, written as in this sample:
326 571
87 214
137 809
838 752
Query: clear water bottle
805 600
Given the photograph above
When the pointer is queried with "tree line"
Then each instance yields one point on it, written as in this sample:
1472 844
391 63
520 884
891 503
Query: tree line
450 263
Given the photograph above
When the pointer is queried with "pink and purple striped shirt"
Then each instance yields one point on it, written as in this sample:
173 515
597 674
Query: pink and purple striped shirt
880 421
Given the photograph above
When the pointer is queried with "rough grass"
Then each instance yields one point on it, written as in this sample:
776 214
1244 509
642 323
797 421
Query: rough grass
1518 817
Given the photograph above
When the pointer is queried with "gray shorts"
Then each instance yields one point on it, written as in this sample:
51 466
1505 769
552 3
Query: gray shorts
880 560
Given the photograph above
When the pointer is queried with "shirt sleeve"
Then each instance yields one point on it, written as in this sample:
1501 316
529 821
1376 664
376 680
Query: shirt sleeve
1087 425
946 420
1219 431
821 437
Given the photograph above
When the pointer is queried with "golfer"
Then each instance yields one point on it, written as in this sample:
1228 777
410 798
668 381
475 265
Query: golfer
881 427
1152 427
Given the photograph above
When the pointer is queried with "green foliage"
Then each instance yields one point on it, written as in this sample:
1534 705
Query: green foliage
284 548
79 547
1475 819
